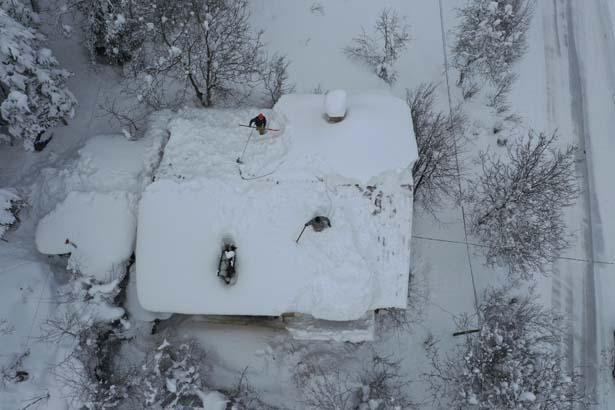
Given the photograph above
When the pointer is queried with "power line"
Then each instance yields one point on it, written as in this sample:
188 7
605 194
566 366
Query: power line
450 109
480 245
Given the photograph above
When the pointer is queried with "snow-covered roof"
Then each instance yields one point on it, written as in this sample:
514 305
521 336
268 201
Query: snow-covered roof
356 172
97 229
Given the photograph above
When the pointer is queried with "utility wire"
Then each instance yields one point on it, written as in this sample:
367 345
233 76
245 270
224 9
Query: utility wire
450 109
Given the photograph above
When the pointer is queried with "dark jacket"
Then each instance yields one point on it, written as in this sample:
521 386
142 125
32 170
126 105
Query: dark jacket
258 122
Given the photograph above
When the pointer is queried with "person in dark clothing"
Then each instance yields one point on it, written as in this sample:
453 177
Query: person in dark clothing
260 122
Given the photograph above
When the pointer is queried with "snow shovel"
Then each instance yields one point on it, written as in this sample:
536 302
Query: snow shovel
238 160
268 129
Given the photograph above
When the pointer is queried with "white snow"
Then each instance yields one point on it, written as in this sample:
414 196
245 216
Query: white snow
100 229
134 308
375 137
335 103
112 163
359 264
527 396
213 400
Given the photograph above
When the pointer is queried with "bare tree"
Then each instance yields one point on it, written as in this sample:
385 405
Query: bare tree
517 203
275 79
206 45
243 396
326 389
512 361
378 385
498 99
491 37
381 50
382 386
438 137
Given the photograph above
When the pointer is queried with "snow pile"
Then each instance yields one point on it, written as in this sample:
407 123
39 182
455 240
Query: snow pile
97 229
335 103
200 201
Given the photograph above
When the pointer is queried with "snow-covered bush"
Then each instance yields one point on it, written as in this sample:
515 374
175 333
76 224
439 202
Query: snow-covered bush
10 205
517 204
381 50
171 374
512 361
274 75
21 11
33 93
438 137
491 37
113 29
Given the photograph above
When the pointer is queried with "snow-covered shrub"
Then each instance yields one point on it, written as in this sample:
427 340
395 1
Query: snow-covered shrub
21 10
10 205
512 361
173 375
33 93
381 50
438 137
114 28
170 376
491 37
274 75
517 204
89 373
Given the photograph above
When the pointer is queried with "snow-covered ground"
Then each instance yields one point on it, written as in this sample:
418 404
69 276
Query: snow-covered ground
558 77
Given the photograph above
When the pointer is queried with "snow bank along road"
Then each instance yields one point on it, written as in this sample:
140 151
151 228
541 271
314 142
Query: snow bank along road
580 75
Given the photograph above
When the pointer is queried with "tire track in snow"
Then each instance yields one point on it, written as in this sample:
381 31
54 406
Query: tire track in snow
573 285
589 340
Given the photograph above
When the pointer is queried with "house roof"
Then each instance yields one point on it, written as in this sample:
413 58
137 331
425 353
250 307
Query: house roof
356 172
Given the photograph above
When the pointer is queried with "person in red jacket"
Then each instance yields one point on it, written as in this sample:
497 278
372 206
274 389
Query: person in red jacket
260 122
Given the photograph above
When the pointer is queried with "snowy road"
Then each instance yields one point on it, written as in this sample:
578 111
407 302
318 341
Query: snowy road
579 54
